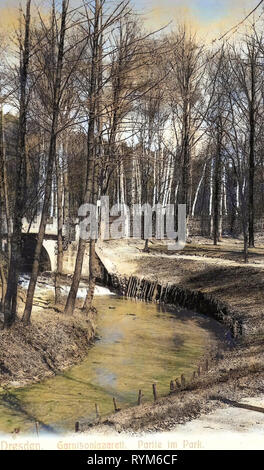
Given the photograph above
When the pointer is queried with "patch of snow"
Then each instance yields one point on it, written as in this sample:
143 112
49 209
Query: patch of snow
47 285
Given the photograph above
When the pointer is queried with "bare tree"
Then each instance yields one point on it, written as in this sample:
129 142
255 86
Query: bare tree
50 164
15 258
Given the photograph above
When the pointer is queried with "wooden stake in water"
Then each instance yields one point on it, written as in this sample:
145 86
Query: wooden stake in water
129 286
172 387
77 426
140 395
115 406
37 428
97 411
178 385
154 388
183 381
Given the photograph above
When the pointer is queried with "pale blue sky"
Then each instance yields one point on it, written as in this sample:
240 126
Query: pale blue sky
210 17
205 12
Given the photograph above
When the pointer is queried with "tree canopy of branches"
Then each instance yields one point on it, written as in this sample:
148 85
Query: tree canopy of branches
92 104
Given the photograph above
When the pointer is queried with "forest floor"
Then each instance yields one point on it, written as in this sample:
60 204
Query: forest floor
52 343
236 374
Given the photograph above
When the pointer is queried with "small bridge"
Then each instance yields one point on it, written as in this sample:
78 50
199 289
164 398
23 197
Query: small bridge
48 260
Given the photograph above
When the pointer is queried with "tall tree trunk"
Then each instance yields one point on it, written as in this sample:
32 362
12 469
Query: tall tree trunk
186 158
251 182
3 282
71 299
15 258
98 146
123 198
60 228
91 167
198 190
245 236
221 214
139 182
243 216
217 186
50 166
224 193
92 277
66 195
4 184
211 193
92 243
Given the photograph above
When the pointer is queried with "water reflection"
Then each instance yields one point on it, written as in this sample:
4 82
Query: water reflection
138 344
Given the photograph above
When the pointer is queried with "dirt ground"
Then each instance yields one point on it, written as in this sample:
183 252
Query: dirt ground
225 428
52 343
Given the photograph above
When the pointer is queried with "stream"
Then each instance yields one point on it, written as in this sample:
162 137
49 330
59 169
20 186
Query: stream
137 344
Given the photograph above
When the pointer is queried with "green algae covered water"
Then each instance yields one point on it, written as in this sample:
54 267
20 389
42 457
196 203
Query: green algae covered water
138 344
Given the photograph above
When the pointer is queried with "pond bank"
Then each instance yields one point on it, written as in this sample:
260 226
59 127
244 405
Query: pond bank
202 283
234 376
52 343
225 289
142 289
137 344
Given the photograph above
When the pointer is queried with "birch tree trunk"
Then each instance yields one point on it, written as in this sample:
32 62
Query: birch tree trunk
217 186
97 152
66 194
198 190
91 188
210 212
4 184
50 166
251 183
60 229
